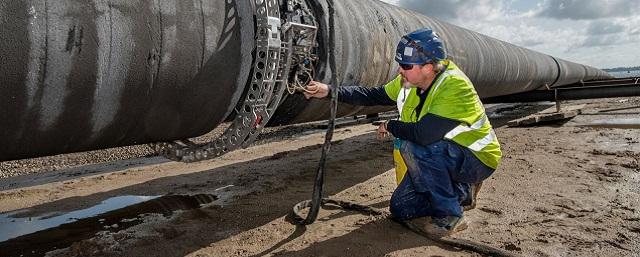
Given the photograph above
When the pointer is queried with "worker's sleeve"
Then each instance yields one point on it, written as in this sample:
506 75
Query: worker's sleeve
429 129
364 96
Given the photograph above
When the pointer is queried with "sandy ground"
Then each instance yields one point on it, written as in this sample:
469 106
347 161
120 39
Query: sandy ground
562 190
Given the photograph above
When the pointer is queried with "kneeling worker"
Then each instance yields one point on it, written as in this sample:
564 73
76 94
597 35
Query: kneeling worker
445 146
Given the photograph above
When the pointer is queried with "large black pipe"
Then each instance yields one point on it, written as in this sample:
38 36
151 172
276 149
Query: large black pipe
573 93
80 75
368 32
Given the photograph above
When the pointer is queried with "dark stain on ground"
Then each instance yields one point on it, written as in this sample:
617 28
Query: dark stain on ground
62 236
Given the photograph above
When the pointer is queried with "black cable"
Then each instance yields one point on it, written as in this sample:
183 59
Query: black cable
458 243
317 201
316 197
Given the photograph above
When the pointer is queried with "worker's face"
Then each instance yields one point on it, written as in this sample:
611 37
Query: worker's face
416 75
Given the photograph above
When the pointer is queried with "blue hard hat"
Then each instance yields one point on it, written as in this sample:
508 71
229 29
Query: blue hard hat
420 47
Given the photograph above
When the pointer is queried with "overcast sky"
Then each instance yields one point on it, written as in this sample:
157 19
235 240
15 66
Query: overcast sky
600 33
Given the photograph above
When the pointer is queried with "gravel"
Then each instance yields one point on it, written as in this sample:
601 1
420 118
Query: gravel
65 161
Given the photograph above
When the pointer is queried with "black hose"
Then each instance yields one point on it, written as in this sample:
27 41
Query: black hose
317 201
316 197
458 243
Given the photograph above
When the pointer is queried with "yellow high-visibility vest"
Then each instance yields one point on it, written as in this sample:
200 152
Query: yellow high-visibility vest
453 97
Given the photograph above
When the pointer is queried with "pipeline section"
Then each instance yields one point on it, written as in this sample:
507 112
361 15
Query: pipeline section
570 93
84 75
367 35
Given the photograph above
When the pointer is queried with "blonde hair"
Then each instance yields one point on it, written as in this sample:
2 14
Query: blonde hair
440 66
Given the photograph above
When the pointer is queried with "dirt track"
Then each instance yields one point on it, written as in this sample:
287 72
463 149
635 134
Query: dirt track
561 190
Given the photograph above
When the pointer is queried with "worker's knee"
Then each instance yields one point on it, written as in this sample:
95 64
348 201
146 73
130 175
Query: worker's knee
396 210
406 203
402 210
410 207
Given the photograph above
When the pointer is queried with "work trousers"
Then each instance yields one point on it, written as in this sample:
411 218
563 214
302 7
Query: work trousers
439 178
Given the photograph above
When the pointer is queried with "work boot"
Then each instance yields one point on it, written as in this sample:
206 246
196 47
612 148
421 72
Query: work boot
441 227
470 203
418 223
438 227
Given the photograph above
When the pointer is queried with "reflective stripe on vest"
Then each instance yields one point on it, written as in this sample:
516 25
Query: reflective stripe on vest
437 86
483 142
402 98
479 144
462 128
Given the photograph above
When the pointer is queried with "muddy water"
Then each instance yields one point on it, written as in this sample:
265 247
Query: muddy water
34 236
14 227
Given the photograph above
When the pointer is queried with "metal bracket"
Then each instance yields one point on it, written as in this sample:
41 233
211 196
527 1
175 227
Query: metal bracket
272 65
555 96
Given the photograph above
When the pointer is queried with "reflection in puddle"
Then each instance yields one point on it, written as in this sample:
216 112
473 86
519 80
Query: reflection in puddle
15 227
34 236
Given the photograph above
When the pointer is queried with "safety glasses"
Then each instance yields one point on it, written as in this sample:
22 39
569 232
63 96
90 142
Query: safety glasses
406 66
410 66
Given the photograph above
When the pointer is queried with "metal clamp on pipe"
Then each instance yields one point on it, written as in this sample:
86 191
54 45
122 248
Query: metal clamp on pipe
278 48
303 59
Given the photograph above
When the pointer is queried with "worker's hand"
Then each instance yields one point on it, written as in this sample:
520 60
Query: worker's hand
382 131
317 90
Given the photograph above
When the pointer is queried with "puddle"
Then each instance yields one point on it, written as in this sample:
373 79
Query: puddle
15 227
34 236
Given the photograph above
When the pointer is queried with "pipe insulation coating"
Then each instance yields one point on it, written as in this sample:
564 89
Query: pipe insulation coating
89 74
80 75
